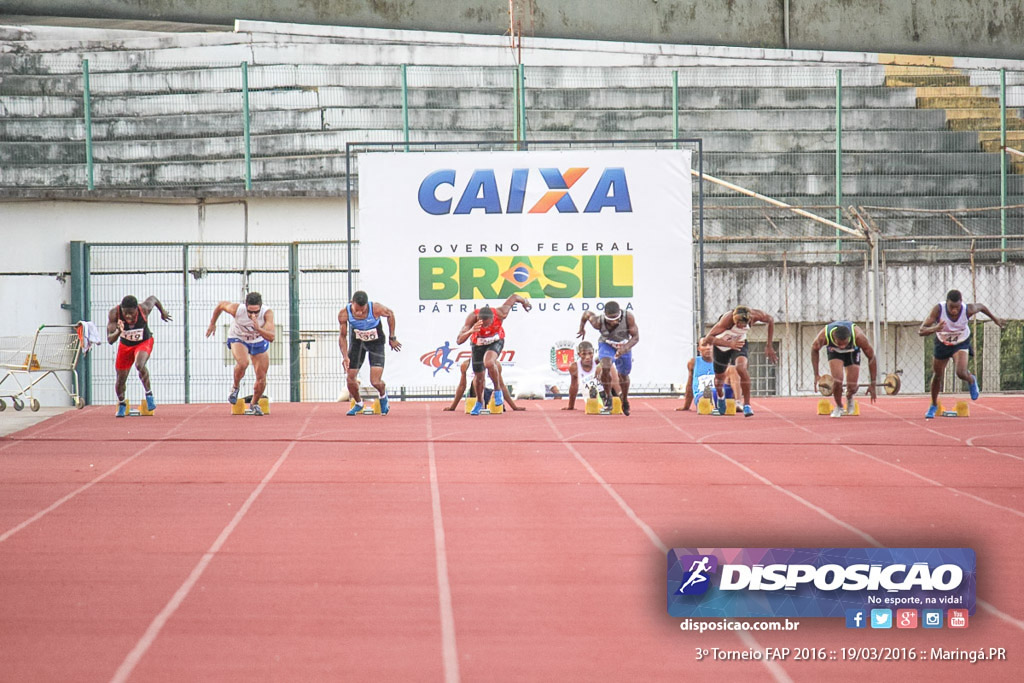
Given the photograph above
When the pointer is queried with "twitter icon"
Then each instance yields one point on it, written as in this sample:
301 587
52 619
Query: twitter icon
881 618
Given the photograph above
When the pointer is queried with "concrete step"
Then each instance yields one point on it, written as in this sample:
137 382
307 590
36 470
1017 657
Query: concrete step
985 124
958 103
918 185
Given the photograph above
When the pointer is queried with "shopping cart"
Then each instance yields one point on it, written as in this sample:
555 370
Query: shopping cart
30 359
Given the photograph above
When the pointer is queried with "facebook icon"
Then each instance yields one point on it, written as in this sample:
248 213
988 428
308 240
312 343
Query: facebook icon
856 618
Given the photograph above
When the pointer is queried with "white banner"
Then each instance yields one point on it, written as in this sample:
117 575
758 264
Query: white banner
444 233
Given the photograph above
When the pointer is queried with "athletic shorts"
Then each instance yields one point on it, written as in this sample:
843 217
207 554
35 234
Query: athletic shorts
945 352
480 351
623 364
724 359
254 348
359 350
849 358
126 354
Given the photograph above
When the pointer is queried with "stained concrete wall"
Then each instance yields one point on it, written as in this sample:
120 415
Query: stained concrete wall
981 28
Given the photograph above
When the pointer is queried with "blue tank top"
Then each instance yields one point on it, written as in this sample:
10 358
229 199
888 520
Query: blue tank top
702 369
368 323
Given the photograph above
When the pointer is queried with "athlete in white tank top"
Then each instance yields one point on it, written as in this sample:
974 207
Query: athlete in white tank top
242 327
953 332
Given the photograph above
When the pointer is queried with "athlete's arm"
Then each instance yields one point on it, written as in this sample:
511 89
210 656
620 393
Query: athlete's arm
972 309
762 317
461 389
816 345
931 324
634 335
223 307
114 325
267 332
862 342
724 323
472 325
506 307
148 305
343 337
688 400
574 385
385 312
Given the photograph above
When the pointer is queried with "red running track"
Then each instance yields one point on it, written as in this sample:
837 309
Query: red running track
429 545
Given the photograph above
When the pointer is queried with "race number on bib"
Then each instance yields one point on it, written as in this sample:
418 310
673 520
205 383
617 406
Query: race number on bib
949 338
132 335
366 335
484 341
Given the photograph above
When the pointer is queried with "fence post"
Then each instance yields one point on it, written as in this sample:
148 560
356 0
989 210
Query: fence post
80 305
522 103
405 106
839 163
185 322
87 106
1002 165
675 108
876 322
294 321
245 125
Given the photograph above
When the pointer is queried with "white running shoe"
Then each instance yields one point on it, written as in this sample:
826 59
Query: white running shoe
837 412
851 406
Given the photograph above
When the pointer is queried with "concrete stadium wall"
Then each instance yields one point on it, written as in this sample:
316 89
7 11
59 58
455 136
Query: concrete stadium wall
979 28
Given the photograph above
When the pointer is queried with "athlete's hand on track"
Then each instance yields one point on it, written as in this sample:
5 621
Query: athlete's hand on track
569 408
519 408
872 392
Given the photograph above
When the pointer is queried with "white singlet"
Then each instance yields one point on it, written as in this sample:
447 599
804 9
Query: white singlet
731 334
953 332
588 379
242 328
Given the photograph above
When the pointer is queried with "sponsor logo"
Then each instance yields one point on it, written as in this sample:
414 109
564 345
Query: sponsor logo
563 354
439 190
605 276
696 580
830 577
441 358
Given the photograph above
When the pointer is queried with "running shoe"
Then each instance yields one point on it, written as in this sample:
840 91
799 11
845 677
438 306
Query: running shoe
931 412
748 411
498 398
233 396
837 412
150 402
256 410
974 388
721 406
625 407
477 408
356 409
384 406
122 410
851 407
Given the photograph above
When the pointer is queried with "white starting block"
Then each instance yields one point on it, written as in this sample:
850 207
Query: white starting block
492 407
242 407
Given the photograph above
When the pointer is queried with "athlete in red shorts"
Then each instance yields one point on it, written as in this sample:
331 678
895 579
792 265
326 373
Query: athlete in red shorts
128 322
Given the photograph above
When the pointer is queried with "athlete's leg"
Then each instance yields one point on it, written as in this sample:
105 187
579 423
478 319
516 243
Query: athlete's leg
241 354
960 359
835 368
852 380
938 371
741 370
141 358
260 364
120 384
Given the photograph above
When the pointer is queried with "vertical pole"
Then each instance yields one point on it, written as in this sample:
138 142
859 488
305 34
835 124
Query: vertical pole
348 217
245 125
839 163
87 106
1002 165
700 223
876 323
675 108
294 322
405 105
185 323
522 103
80 311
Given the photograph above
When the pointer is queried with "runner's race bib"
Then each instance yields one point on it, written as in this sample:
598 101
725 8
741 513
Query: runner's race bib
133 335
484 341
950 338
366 335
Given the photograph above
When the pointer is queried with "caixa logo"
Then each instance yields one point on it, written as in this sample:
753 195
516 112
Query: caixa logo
441 188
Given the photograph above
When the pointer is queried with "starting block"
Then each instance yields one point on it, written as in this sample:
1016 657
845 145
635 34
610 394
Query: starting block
962 410
143 410
825 408
370 407
492 407
706 406
242 407
595 406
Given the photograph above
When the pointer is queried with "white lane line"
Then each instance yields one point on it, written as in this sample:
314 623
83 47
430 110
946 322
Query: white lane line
85 487
449 652
153 631
776 670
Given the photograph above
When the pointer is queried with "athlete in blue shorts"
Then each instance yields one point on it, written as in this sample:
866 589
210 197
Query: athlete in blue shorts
843 343
361 337
701 377
618 336
948 322
249 337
